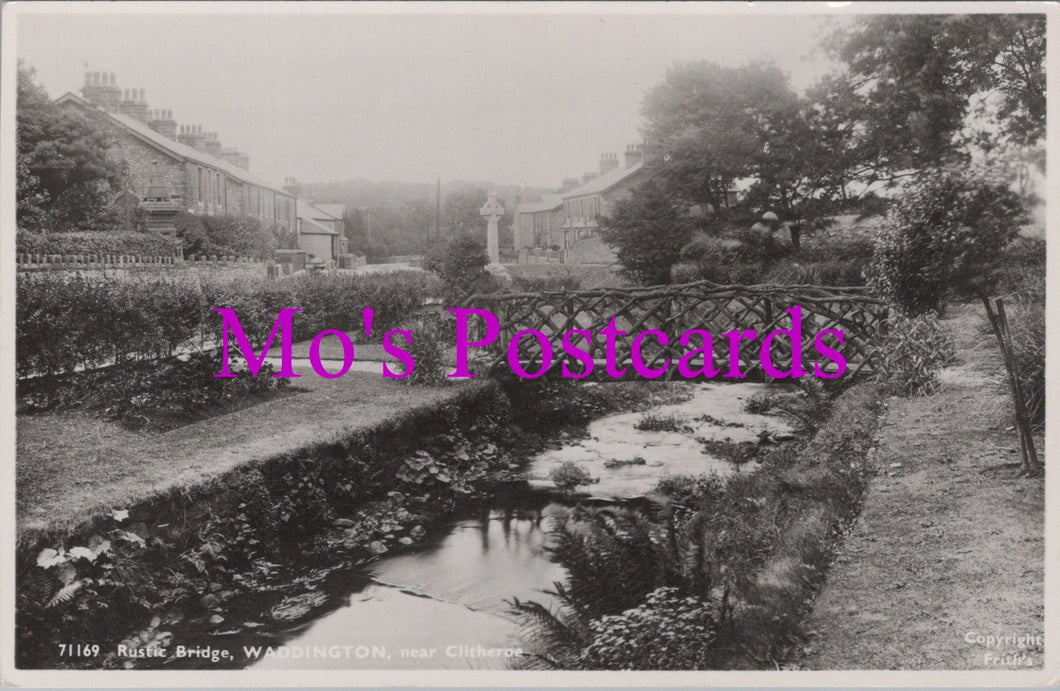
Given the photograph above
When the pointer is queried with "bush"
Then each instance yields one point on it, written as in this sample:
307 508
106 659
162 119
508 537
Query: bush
461 264
652 421
647 231
429 336
830 273
568 475
63 323
540 284
944 237
100 243
912 354
668 631
241 236
160 394
1027 330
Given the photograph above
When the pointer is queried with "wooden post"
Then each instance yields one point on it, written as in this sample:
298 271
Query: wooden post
995 311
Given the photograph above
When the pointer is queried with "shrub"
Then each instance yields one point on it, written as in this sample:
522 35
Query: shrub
660 422
100 243
691 491
913 353
828 273
944 237
539 284
150 394
569 475
461 264
647 231
63 323
668 631
429 339
1027 331
242 236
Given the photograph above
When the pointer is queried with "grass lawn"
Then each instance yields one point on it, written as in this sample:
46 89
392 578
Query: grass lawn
72 464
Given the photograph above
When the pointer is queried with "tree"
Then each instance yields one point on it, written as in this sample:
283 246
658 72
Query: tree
918 74
943 239
707 124
67 174
647 231
460 212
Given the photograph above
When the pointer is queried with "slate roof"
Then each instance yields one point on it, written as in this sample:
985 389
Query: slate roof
604 182
174 148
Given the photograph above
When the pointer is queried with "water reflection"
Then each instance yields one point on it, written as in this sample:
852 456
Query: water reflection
447 597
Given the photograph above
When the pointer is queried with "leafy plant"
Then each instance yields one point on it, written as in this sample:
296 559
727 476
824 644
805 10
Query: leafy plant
568 475
913 353
429 344
669 631
653 421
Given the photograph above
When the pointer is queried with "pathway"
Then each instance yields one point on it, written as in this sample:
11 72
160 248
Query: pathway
949 546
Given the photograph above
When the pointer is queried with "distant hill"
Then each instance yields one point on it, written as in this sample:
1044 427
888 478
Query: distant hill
361 193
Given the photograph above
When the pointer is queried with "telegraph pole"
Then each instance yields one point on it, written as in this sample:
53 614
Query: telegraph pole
438 209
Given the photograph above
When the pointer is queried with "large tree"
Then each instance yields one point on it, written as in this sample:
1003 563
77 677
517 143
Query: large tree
66 173
920 76
706 126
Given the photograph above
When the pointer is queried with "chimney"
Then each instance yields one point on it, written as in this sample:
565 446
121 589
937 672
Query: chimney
608 162
163 123
292 187
191 135
589 175
634 154
212 144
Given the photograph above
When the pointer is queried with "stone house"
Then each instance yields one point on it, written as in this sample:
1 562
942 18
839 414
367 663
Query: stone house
199 175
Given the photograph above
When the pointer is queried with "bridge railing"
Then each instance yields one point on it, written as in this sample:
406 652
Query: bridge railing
673 310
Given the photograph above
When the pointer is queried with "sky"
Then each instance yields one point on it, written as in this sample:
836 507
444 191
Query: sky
389 95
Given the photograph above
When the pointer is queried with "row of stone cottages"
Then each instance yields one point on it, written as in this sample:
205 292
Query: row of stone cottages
183 168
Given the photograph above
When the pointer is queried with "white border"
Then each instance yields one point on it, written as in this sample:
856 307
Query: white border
11 676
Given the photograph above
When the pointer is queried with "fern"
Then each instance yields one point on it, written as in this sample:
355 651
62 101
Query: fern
65 594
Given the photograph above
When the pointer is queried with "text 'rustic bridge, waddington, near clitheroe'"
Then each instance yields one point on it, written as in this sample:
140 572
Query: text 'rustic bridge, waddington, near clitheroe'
673 310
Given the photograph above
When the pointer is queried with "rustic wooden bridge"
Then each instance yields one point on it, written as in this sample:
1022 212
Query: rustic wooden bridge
673 310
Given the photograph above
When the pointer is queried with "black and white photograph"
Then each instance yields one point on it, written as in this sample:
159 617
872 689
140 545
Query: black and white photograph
463 343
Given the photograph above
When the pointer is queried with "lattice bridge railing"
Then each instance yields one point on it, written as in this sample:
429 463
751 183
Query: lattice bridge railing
674 310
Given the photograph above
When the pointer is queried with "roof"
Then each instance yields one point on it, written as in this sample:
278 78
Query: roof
335 211
534 207
307 213
172 147
603 183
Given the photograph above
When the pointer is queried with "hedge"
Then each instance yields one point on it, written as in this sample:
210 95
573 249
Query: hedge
129 243
64 323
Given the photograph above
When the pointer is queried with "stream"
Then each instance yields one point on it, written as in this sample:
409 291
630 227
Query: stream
443 603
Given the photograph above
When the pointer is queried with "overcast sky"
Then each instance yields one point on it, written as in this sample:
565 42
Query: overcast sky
513 99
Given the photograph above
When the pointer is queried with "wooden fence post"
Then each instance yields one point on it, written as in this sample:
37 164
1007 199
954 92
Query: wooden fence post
995 312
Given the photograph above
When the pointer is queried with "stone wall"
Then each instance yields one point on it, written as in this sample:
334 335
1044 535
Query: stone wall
122 266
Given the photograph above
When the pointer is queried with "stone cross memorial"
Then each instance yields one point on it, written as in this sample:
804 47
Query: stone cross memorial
493 211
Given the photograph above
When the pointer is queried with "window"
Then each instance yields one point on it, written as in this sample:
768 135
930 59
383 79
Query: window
200 196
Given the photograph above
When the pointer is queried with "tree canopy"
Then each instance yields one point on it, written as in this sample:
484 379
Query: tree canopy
66 172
